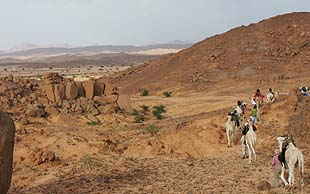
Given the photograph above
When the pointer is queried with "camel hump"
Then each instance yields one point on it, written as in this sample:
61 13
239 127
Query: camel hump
7 135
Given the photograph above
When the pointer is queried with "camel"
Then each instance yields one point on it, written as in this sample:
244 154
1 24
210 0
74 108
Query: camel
239 112
248 148
230 130
292 155
270 97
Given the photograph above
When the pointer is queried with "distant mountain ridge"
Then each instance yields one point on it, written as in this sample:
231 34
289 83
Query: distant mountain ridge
27 46
91 49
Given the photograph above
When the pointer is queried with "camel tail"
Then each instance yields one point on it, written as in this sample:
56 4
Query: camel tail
301 167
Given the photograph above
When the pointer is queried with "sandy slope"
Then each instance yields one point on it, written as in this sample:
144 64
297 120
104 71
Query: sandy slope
188 156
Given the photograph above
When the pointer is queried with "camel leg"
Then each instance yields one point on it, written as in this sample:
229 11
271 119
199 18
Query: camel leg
228 138
253 150
291 175
243 147
249 152
282 175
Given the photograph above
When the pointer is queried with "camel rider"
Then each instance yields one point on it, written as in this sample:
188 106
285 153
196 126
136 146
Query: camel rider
303 90
234 117
253 116
256 95
245 130
242 106
288 139
271 91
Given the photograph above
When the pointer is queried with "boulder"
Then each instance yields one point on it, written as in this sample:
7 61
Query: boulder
104 100
7 136
49 91
29 86
89 87
40 156
33 96
49 75
81 90
92 118
107 109
90 108
52 78
108 89
10 78
48 81
43 100
3 90
99 88
263 185
124 102
71 91
83 101
23 100
51 110
35 111
60 92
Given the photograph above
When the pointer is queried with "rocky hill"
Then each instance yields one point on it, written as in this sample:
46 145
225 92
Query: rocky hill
273 49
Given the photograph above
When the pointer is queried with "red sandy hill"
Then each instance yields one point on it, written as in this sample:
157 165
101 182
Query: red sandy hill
272 49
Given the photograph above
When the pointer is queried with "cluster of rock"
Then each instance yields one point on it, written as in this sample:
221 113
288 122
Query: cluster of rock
39 156
58 95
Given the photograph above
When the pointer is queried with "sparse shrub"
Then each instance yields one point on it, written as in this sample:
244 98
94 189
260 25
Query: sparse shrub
138 119
144 107
144 92
152 129
158 110
135 112
167 94
93 123
91 163
88 162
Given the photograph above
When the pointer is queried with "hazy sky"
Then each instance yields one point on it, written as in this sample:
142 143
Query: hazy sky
84 22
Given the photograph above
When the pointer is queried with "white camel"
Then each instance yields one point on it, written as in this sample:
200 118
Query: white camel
292 155
270 97
248 148
239 113
230 130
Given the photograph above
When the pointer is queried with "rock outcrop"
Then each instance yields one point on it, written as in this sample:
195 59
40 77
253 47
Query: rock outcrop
56 95
7 135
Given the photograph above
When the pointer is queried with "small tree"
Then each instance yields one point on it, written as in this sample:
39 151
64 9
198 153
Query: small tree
167 94
144 92
144 107
158 110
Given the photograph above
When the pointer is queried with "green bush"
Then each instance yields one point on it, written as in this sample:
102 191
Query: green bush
158 110
152 129
93 123
144 92
135 112
144 107
167 94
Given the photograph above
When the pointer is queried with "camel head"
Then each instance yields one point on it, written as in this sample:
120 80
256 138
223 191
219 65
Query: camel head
280 141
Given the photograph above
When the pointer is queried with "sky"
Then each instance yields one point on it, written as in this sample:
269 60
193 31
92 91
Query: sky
130 22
